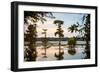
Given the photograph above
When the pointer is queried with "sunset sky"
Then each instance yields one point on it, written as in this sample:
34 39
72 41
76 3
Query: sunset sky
68 18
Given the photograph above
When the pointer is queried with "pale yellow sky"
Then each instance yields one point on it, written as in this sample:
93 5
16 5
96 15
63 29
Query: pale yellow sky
51 28
68 18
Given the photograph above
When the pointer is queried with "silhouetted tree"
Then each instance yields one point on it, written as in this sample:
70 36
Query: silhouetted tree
86 29
85 32
59 32
73 28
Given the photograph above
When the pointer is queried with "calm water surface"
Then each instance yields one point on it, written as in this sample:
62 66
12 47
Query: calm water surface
54 49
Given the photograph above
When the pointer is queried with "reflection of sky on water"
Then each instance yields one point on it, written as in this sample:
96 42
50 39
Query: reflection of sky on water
78 55
52 50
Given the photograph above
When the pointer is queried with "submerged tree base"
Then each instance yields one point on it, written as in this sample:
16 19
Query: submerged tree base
44 56
59 56
72 51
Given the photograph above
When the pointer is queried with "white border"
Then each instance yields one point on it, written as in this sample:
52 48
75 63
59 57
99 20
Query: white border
22 64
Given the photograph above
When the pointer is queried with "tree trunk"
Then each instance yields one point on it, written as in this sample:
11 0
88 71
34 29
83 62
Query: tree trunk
59 46
45 51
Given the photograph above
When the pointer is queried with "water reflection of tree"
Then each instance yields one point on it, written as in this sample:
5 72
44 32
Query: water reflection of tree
84 30
45 42
71 45
59 32
30 18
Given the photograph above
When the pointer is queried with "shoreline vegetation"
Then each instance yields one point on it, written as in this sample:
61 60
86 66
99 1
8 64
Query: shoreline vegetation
56 39
55 43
